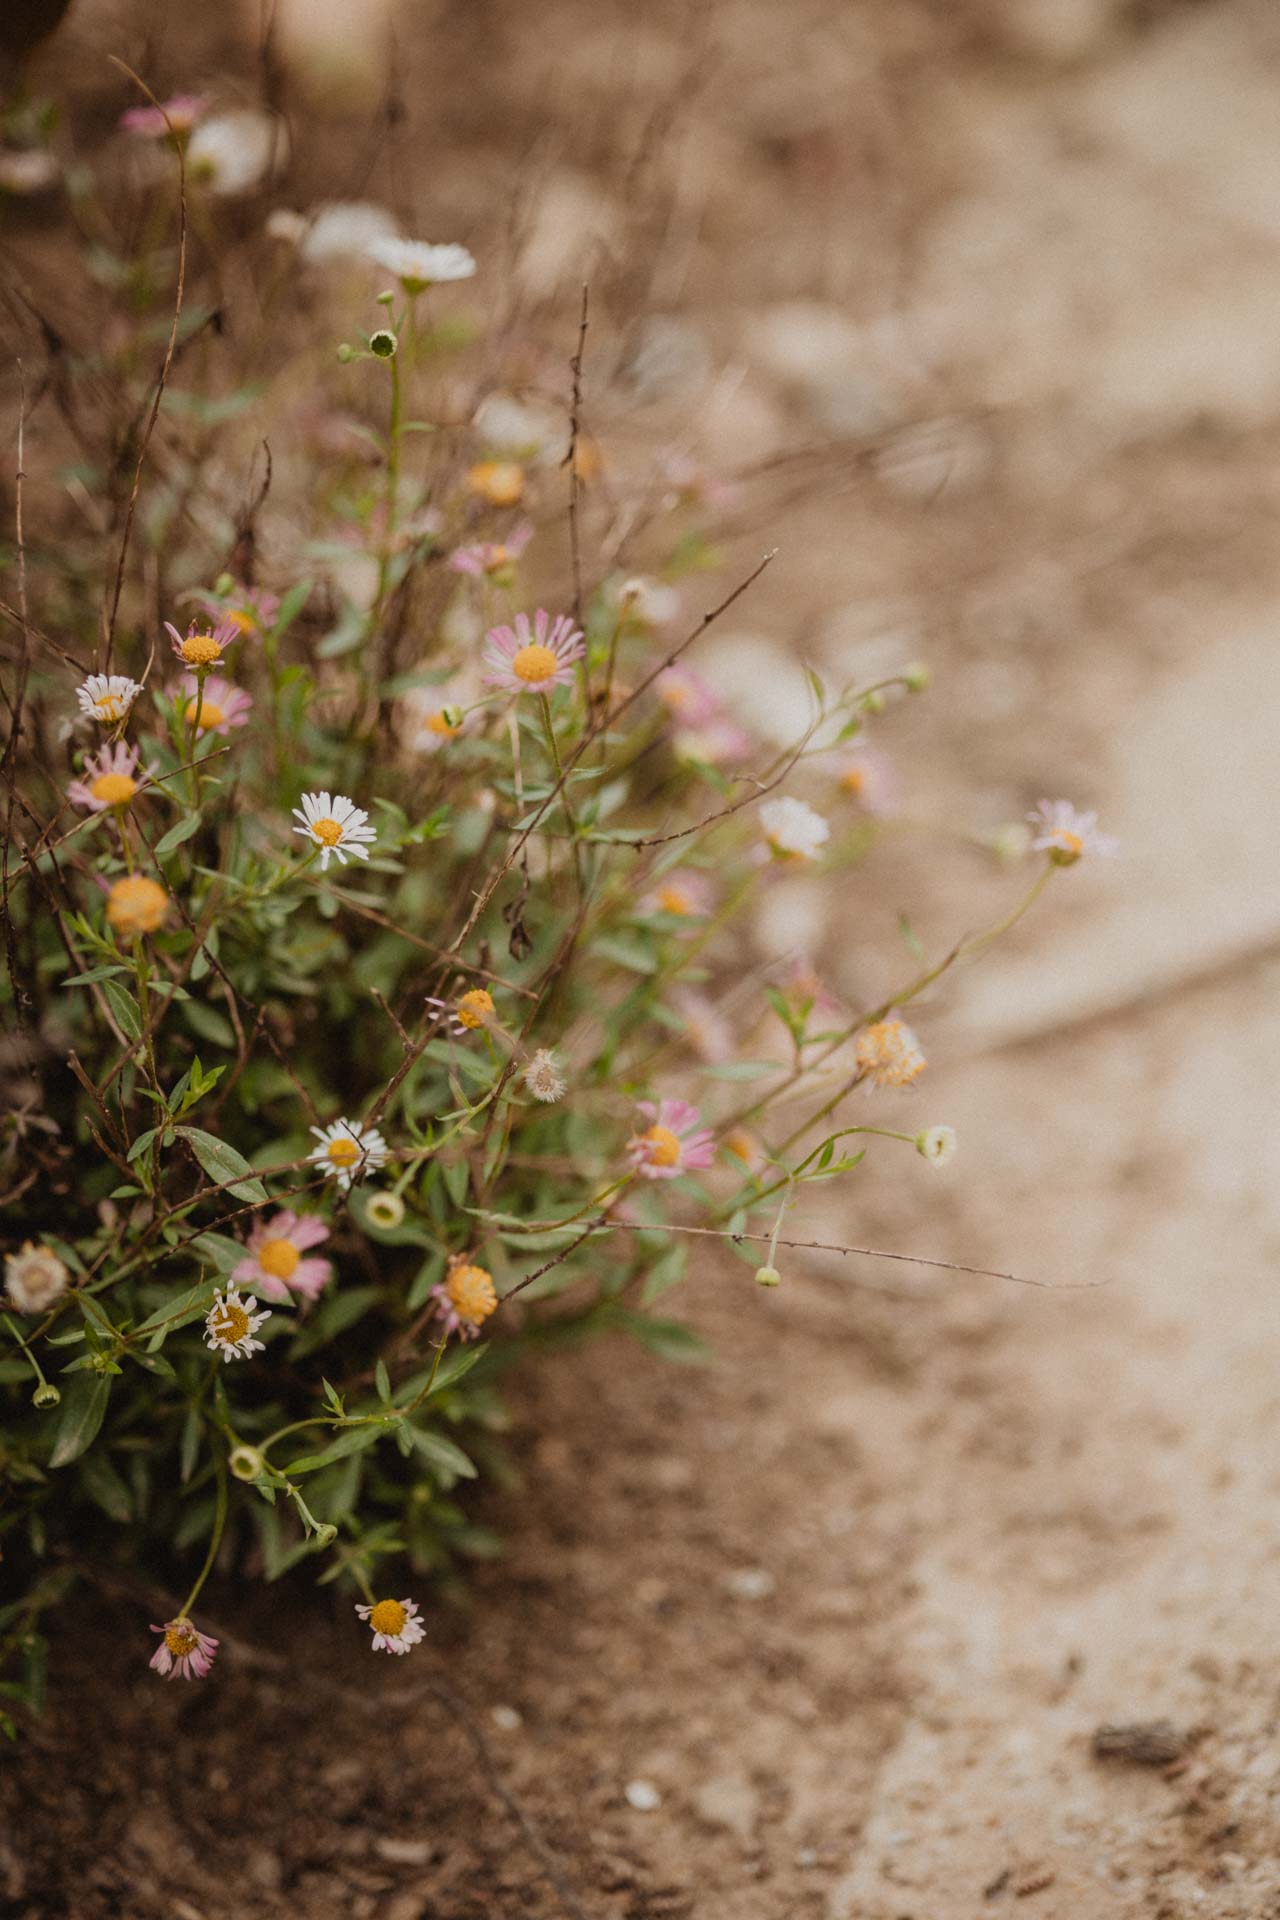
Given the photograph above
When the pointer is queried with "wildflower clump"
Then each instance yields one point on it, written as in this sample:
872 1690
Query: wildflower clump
382 937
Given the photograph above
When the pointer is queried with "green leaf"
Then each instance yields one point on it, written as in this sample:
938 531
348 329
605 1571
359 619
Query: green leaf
180 830
94 973
83 1405
449 1461
125 1008
354 1440
383 1383
223 1164
669 1339
105 1488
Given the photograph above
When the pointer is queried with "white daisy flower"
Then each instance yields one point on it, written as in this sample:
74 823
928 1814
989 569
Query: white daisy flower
937 1145
394 1623
230 1325
418 263
34 1277
336 824
107 696
338 230
1066 835
793 829
349 1151
543 1077
230 153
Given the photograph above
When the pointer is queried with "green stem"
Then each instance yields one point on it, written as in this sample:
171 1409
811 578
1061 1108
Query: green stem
219 1523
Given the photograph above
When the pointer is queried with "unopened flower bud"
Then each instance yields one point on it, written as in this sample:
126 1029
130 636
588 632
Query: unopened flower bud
452 717
768 1277
387 298
384 1211
383 344
324 1537
246 1463
937 1145
873 702
917 676
346 352
46 1395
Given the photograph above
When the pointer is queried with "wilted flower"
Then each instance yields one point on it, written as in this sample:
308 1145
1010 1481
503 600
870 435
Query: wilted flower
395 1624
464 1299
232 152
136 905
500 482
274 1265
543 1077
34 1277
110 779
177 116
1066 835
673 1143
336 825
418 264
533 659
474 1009
202 650
107 696
230 1325
937 1145
792 828
184 1650
224 706
888 1054
491 556
348 1151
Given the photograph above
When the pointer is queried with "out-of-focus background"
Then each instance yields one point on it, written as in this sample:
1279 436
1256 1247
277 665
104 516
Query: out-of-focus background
976 301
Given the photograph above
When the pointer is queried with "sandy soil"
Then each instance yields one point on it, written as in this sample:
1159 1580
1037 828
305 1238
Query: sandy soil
846 1612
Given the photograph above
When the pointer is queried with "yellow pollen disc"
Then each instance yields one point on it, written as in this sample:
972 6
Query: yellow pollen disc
498 557
211 715
231 1325
344 1152
241 619
279 1258
472 1293
534 663
475 1007
500 482
438 724
664 1148
674 900
1069 842
853 780
180 1638
114 789
201 650
110 707
388 1617
328 832
136 904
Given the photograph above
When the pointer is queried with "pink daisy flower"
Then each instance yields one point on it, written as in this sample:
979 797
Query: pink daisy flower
251 609
202 650
492 556
682 892
274 1264
1066 835
111 778
394 1623
223 707
672 1143
533 659
184 1650
465 1298
867 776
184 110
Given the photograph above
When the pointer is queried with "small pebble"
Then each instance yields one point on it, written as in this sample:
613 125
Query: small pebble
642 1795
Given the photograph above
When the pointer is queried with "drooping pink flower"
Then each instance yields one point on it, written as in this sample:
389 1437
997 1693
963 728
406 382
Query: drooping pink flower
533 658
111 778
224 706
183 111
184 1650
492 556
274 1265
672 1143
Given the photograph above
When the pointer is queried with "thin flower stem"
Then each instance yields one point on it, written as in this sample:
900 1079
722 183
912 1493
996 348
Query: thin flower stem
215 1541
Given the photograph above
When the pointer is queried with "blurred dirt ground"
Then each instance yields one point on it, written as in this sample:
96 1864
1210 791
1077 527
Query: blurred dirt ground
985 295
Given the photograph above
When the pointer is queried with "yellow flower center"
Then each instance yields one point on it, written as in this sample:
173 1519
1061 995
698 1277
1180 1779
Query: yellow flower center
240 618
437 723
664 1147
1067 847
674 899
211 714
279 1258
344 1151
475 1008
136 905
472 1293
388 1617
110 707
500 482
853 780
534 663
201 650
231 1324
498 557
328 832
180 1637
114 789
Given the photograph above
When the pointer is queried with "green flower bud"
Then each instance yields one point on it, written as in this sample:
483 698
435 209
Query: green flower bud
346 352
768 1277
324 1537
917 676
384 1211
383 344
246 1463
45 1395
873 702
